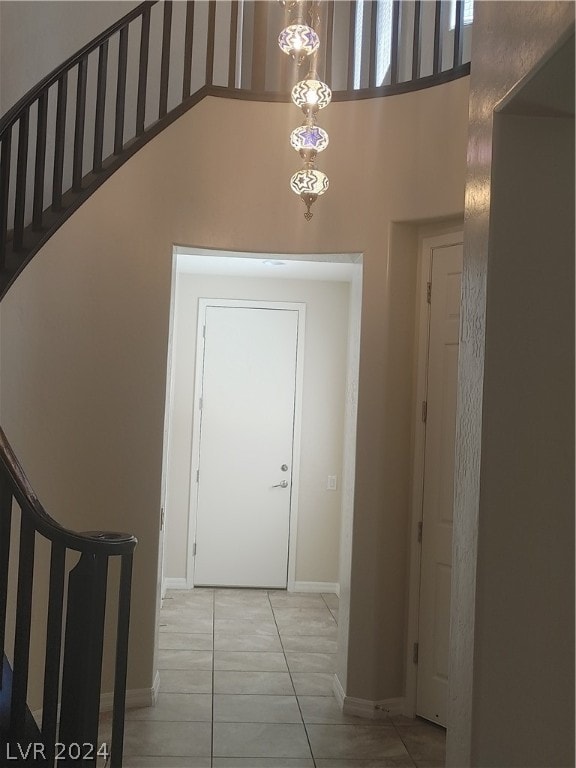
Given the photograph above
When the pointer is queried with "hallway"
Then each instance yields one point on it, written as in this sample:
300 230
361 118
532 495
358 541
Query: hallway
246 681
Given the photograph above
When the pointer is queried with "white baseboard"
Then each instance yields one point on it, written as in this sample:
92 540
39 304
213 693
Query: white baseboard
370 710
373 710
136 698
296 586
315 586
175 584
338 691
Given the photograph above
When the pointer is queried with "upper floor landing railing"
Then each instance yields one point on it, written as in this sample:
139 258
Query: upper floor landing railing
83 120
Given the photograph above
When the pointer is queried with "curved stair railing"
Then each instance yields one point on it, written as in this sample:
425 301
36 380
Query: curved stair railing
70 132
73 631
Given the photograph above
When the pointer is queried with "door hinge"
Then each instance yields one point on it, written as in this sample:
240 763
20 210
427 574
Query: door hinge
429 293
415 653
420 531
200 403
197 475
424 410
203 331
162 519
194 549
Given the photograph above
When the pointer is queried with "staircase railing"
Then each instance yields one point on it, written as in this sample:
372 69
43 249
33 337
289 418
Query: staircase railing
82 121
73 631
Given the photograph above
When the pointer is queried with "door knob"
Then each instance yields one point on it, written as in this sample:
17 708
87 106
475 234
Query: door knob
283 484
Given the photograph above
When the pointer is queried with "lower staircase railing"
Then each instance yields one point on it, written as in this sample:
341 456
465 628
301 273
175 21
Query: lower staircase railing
71 632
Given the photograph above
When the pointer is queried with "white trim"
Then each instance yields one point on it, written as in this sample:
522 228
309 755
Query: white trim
315 586
373 710
300 308
174 584
168 418
426 247
338 691
136 698
297 440
369 710
349 461
296 586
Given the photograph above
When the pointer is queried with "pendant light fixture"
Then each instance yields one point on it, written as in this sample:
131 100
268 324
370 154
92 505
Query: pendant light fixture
300 41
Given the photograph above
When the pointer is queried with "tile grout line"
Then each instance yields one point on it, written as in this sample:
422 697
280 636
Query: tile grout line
404 743
400 731
292 681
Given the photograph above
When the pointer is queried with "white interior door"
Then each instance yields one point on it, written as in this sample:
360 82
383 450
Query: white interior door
436 557
244 478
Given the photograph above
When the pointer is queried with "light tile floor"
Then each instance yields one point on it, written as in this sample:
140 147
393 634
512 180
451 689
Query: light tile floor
246 682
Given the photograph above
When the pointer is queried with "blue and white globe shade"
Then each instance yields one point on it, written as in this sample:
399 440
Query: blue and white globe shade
311 95
309 138
298 41
309 182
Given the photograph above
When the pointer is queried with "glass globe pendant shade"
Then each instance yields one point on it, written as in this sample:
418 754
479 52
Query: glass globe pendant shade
311 95
308 140
298 41
309 183
309 180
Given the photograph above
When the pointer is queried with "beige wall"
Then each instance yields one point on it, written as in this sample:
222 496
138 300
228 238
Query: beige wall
85 327
512 649
28 53
325 353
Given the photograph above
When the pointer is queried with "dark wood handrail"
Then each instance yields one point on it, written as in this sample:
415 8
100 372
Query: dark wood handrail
338 96
92 542
13 114
74 625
